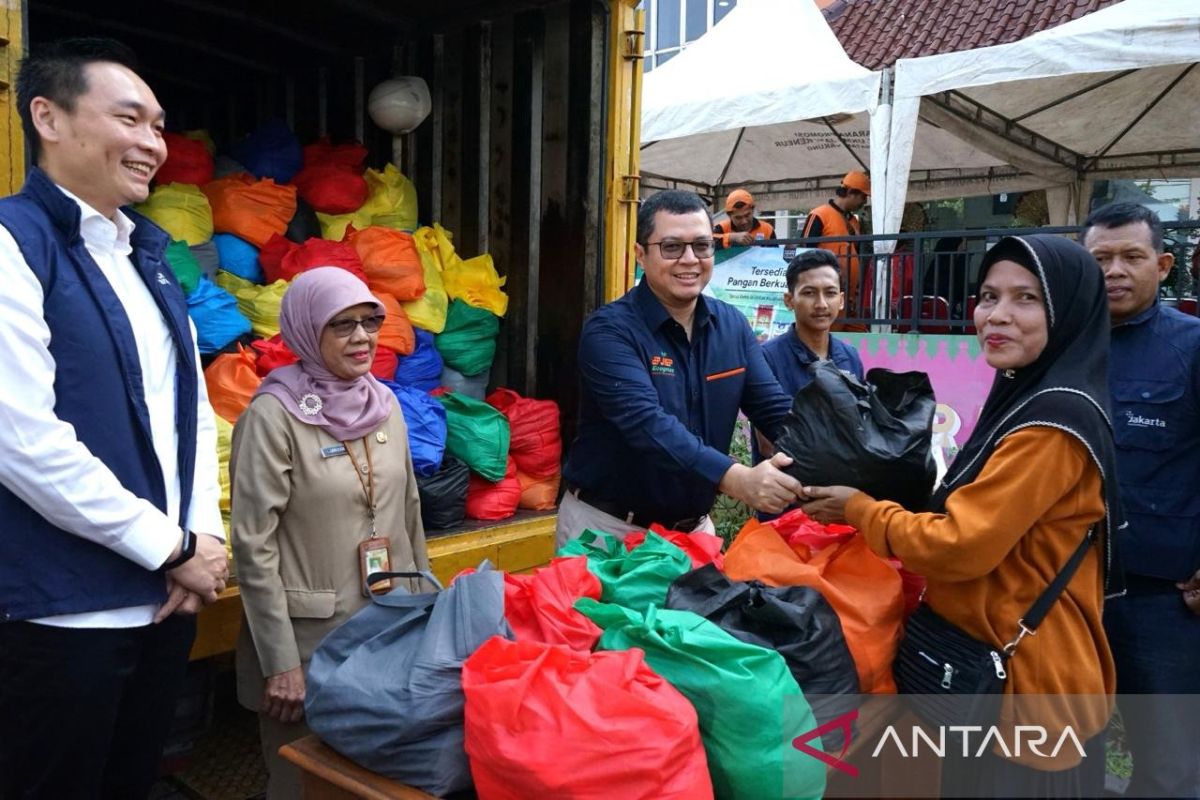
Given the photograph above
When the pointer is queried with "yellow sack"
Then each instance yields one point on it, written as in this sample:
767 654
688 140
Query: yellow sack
392 202
333 226
474 281
259 304
428 312
181 210
224 448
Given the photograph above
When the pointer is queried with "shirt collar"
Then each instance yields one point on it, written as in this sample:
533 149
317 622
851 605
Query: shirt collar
655 314
97 230
1142 316
802 351
840 210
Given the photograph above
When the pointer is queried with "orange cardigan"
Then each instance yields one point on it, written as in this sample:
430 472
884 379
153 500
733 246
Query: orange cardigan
1000 542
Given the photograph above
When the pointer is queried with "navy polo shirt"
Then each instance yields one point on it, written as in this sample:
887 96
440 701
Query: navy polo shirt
1154 379
658 412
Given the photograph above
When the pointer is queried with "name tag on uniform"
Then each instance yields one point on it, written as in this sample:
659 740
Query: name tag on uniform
333 450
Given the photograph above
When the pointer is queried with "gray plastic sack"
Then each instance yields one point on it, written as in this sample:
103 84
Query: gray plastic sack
385 688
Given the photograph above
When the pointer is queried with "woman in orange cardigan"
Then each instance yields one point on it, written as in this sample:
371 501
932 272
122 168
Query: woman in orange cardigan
1036 475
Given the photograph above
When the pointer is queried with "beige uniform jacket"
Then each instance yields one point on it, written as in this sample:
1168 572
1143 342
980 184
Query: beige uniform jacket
297 518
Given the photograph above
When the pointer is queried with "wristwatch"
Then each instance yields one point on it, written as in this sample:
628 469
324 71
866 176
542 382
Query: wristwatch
186 552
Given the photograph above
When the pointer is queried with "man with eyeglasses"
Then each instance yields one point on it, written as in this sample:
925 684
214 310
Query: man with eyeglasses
664 373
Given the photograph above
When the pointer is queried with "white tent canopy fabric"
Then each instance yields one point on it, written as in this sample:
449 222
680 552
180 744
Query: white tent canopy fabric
1115 93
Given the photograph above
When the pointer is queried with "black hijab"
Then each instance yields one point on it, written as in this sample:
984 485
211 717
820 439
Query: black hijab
1066 386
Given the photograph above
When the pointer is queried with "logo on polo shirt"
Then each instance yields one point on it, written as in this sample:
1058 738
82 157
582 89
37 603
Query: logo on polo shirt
662 364
1138 421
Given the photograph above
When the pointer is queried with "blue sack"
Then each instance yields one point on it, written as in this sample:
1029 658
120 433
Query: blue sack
272 151
423 369
239 257
385 688
426 421
215 314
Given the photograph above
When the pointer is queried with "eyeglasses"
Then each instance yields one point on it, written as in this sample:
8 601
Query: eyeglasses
344 328
701 248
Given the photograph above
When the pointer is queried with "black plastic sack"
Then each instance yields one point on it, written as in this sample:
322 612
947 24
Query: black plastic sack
796 621
875 437
385 688
444 494
304 224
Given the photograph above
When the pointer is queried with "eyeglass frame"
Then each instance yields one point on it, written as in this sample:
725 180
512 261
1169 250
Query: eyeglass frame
377 319
712 243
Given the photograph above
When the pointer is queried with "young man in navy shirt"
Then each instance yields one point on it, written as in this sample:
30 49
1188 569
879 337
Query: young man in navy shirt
664 372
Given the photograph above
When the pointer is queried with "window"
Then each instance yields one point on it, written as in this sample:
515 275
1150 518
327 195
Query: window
721 8
673 24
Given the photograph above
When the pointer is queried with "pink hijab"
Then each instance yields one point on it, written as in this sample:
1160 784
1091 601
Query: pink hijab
308 390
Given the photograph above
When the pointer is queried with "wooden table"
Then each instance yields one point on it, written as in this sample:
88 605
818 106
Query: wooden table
325 775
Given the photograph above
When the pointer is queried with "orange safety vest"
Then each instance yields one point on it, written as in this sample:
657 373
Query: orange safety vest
835 223
760 230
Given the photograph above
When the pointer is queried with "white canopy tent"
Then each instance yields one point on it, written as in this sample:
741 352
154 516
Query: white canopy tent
1112 94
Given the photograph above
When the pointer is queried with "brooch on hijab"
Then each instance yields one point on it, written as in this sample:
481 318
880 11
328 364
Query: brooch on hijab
1010 373
311 405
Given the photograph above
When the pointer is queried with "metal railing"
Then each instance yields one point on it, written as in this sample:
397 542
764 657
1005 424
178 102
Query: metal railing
927 283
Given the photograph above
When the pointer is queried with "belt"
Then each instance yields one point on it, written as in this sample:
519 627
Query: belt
685 525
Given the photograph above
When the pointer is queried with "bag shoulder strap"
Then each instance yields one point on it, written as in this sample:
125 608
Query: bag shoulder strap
1037 612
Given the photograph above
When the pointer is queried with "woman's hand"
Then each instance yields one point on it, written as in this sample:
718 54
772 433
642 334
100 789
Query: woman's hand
283 696
1191 592
827 504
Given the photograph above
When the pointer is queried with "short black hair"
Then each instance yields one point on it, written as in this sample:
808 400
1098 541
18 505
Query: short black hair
672 201
810 260
55 70
1116 215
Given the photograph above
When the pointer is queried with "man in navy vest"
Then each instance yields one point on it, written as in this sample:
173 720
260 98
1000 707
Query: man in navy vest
110 537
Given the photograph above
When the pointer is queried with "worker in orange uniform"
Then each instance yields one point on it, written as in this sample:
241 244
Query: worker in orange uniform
742 227
838 218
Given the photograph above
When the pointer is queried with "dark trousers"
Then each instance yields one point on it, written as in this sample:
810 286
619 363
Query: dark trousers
84 712
1155 641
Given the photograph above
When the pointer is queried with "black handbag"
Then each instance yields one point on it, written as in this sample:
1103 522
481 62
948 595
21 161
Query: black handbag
953 678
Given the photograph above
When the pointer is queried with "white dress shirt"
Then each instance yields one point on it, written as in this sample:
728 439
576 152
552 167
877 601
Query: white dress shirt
41 460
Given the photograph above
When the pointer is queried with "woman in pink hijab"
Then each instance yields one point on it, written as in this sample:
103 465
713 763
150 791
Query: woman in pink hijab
323 492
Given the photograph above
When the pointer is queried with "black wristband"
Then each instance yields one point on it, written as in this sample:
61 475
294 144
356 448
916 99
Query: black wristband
186 552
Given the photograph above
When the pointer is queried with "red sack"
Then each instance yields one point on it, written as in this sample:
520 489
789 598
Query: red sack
796 527
863 589
535 439
539 494
283 259
272 353
494 501
541 607
350 156
232 381
385 363
549 722
702 548
390 259
188 161
331 189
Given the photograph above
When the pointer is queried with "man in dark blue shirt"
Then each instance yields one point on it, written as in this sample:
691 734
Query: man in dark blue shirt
815 298
1154 378
664 373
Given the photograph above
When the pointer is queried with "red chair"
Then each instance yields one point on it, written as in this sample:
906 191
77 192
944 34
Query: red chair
933 309
1187 305
971 302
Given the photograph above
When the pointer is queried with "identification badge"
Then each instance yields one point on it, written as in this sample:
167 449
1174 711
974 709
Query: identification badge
374 555
333 450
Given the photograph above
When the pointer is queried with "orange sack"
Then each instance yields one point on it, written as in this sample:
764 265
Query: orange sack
232 381
863 589
390 259
250 209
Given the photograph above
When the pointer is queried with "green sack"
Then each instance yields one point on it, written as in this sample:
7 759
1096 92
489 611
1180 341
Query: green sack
635 578
476 434
749 706
468 342
185 266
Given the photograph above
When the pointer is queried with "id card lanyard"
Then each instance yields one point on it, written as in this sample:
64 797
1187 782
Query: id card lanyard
374 552
366 479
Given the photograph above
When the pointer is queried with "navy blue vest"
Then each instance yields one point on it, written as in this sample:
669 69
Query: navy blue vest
44 570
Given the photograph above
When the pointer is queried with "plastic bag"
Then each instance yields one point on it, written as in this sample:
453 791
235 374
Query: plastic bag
392 201
224 450
272 152
351 156
702 548
875 437
455 381
541 607
535 440
260 304
283 259
252 210
304 224
444 495
331 189
426 421
863 589
538 494
739 691
477 434
634 579
232 381
272 354
383 366
468 341
188 161
385 688
216 316
238 257
548 722
429 312
184 265
397 332
795 621
208 258
181 210
474 281
391 262
488 500
422 369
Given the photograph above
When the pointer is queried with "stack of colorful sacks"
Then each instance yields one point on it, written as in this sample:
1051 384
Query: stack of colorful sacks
243 232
